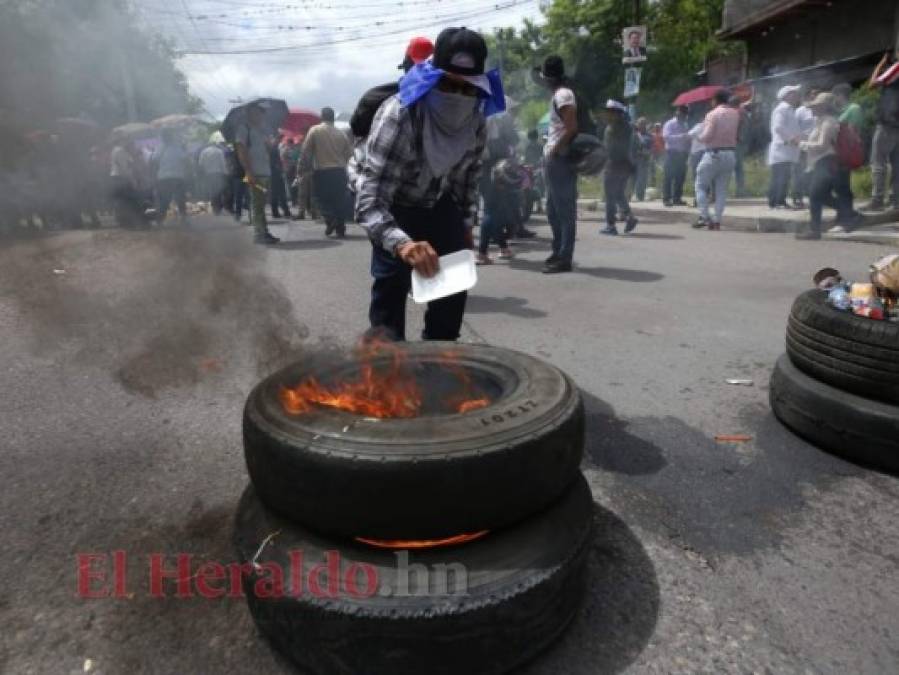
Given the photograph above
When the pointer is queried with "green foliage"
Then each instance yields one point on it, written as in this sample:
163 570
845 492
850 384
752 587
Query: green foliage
530 113
867 97
70 58
587 34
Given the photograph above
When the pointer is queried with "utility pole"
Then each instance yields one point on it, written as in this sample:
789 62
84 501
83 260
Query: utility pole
636 12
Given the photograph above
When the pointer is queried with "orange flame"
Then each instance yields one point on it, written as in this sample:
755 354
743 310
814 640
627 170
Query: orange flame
423 543
380 393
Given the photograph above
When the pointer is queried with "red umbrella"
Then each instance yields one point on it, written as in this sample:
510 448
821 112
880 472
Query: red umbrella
697 95
299 121
707 93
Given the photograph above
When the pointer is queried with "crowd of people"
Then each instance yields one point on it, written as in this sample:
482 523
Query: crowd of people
428 149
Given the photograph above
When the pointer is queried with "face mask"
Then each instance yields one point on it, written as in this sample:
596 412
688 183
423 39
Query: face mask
451 112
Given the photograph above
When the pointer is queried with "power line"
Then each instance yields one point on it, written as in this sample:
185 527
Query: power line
511 4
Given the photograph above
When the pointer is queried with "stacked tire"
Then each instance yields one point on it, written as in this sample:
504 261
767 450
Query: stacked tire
838 384
367 500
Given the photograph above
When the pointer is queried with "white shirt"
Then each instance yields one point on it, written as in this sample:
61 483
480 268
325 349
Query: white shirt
562 97
121 163
695 133
172 162
806 119
212 160
784 128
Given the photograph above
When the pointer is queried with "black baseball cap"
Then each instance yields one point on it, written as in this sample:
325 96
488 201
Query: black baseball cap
460 51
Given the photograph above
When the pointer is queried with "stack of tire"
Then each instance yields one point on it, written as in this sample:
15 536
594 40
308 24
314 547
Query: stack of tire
838 384
323 481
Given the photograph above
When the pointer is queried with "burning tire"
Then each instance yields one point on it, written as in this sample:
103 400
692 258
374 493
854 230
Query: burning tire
523 585
853 427
513 450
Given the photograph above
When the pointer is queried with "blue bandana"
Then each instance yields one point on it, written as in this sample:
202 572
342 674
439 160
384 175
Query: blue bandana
423 77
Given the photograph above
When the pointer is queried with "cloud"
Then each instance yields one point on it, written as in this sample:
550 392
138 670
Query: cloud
313 77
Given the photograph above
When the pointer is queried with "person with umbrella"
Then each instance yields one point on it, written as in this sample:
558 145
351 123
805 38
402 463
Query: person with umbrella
253 152
171 162
417 192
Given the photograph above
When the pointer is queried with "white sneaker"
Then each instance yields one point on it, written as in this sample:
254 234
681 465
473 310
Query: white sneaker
837 229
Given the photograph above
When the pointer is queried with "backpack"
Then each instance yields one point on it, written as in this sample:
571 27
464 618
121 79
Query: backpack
849 147
368 105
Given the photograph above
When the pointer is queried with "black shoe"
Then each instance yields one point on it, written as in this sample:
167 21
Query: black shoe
525 234
666 202
266 238
557 268
329 229
631 224
551 260
610 230
679 202
808 235
700 223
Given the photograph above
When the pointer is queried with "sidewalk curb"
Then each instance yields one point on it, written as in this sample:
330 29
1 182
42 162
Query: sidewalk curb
763 224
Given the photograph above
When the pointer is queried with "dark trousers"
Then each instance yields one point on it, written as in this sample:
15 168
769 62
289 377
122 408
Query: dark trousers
779 187
615 185
213 190
561 207
844 194
498 214
801 179
675 175
826 189
441 226
332 196
278 196
168 190
240 196
125 202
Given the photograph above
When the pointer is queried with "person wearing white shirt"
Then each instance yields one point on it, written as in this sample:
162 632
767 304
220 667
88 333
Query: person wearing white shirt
212 164
805 116
697 149
171 161
783 152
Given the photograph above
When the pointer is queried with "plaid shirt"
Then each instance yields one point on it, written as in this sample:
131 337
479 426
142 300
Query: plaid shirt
394 171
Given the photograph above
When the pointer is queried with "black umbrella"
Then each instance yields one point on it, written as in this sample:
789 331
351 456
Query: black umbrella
275 113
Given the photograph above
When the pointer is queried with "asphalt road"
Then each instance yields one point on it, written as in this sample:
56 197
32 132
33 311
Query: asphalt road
126 358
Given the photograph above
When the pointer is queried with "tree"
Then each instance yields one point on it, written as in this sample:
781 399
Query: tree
70 58
587 34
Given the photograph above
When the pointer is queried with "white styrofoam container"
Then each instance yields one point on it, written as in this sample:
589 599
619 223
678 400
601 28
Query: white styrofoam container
457 273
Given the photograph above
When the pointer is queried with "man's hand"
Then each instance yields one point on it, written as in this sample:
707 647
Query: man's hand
419 255
250 178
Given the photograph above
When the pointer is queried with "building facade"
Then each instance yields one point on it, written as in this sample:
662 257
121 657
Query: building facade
813 42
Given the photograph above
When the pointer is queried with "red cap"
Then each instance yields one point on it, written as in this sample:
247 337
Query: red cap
419 49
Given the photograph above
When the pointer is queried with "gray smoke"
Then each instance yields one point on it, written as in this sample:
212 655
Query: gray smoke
158 310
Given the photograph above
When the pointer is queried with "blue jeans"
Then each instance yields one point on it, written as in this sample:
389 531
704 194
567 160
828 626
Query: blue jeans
561 207
239 194
714 171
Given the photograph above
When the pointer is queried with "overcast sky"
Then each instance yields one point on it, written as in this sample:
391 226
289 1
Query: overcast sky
335 49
